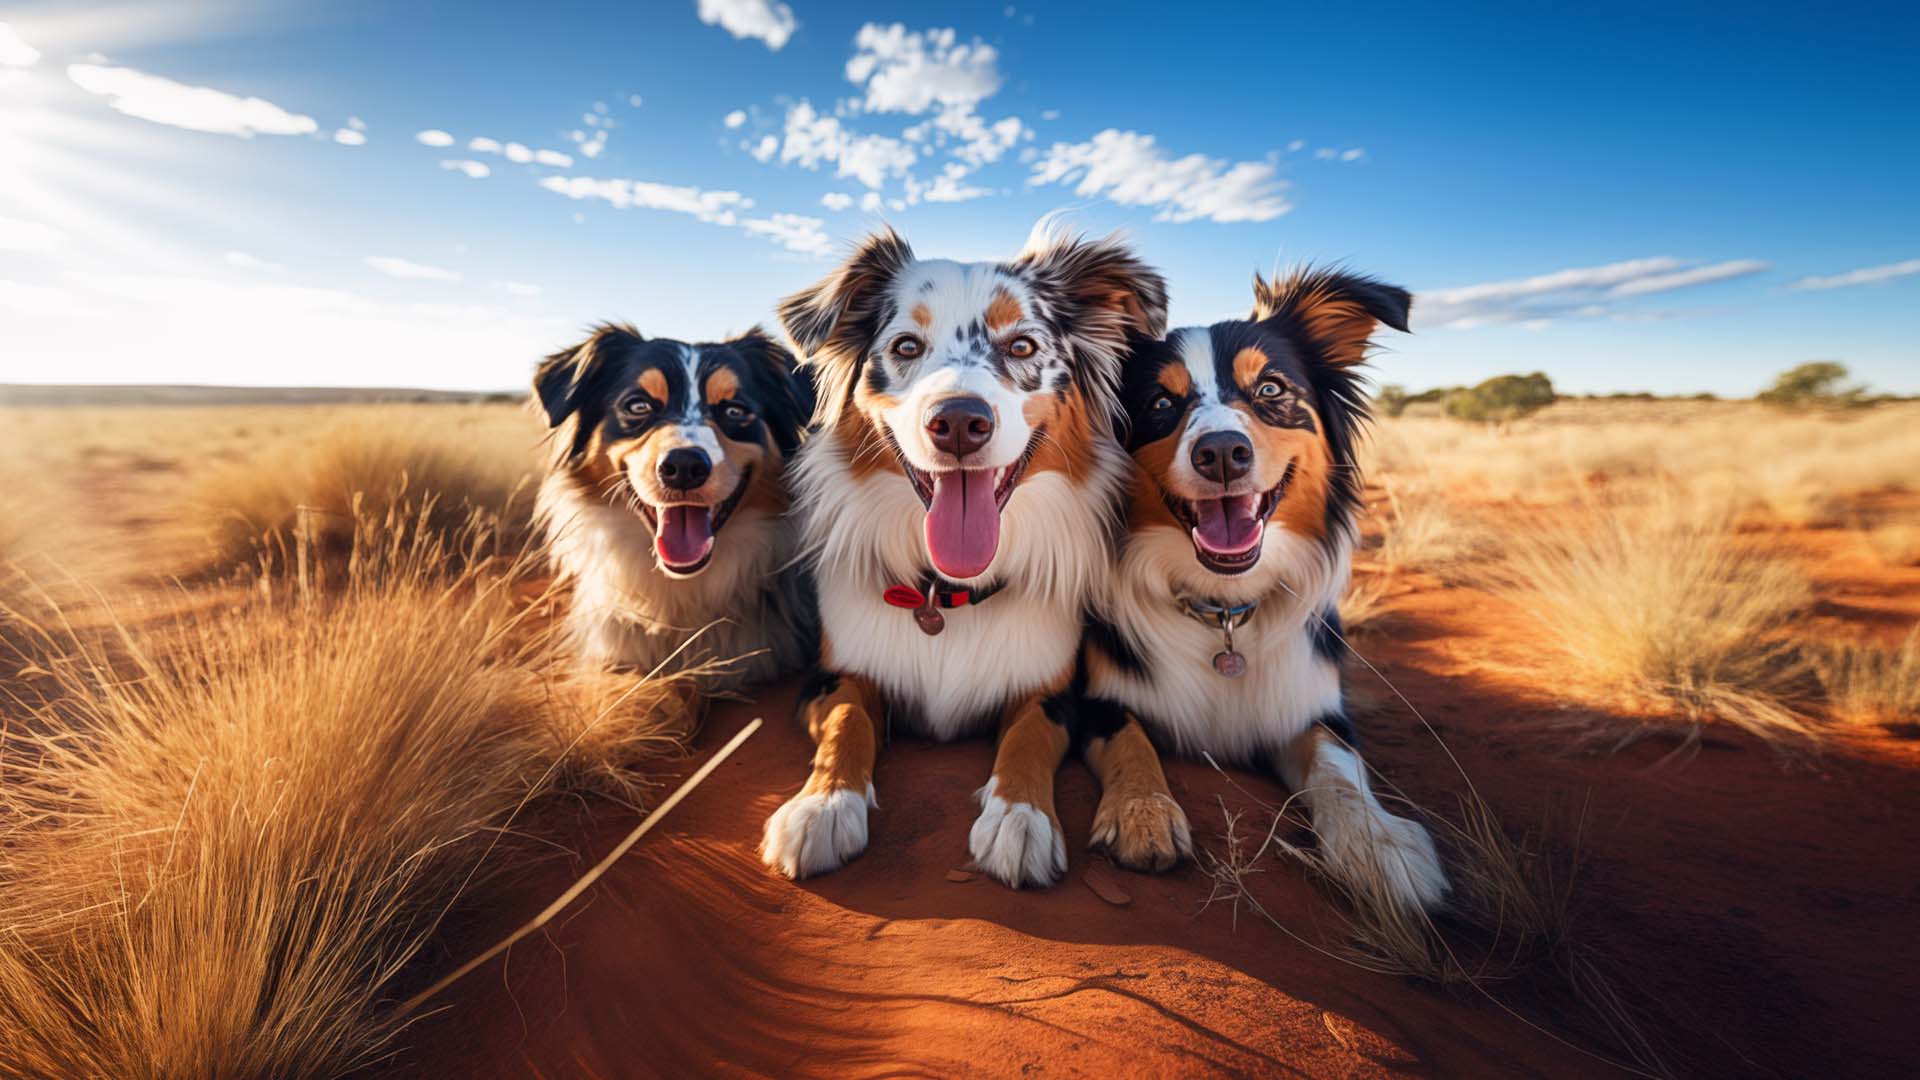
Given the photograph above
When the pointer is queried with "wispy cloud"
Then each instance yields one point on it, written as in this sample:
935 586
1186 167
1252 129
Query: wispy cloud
911 71
14 50
475 170
433 137
836 200
1580 292
195 108
1870 275
19 234
813 139
347 136
240 260
725 208
1128 168
768 20
406 269
735 118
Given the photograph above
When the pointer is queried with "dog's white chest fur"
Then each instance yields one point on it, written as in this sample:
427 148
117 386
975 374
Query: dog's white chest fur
866 533
1287 684
627 612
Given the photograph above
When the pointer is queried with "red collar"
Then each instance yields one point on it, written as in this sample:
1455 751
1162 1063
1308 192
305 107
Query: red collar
945 594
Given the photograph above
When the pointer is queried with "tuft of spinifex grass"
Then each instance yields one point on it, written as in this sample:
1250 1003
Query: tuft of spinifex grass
227 840
1873 685
1667 619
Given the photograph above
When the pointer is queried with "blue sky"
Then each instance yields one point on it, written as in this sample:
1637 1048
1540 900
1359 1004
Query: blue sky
434 194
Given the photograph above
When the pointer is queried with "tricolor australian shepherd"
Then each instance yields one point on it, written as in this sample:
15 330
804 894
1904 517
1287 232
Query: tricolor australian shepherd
956 503
1219 628
664 501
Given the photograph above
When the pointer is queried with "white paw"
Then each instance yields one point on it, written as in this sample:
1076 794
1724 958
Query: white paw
812 834
1388 856
1017 843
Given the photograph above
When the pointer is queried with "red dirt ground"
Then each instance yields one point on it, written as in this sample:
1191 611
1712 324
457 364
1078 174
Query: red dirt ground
1761 913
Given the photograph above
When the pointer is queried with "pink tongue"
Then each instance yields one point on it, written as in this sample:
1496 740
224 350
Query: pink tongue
685 536
963 524
1226 526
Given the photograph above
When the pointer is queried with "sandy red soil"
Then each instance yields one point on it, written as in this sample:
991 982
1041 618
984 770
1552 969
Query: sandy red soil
1760 913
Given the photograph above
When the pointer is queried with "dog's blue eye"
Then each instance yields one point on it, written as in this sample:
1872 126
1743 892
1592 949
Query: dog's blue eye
1268 389
1162 402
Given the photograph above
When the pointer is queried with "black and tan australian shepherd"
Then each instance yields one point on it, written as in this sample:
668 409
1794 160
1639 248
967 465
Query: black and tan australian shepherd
955 502
664 501
1219 627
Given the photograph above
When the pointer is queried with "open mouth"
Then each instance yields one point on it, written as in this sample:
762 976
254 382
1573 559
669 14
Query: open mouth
683 532
963 510
1226 532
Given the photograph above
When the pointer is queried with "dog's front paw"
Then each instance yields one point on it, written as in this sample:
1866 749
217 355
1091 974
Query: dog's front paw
1016 842
1142 830
813 833
1389 857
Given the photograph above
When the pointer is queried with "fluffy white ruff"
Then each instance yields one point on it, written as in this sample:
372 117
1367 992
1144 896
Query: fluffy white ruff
815 834
865 534
1287 685
1370 850
1016 843
628 612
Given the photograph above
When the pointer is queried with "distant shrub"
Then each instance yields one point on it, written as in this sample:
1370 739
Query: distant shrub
1391 400
1502 398
1820 384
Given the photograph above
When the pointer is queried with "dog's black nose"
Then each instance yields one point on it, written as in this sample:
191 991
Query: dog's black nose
685 468
1224 456
960 425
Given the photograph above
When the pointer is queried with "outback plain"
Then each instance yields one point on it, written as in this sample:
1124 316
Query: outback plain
285 738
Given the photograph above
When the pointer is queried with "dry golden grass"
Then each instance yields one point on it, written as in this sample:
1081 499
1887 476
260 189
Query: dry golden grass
225 841
356 469
1660 611
1873 685
1895 543
1426 531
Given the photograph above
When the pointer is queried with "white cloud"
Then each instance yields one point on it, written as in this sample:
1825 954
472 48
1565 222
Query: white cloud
195 108
1680 279
1128 168
1296 146
835 200
764 150
768 20
911 71
517 153
554 158
716 207
633 100
1870 275
950 188
520 288
413 271
480 144
14 51
434 137
871 202
1355 154
347 136
240 260
979 143
813 139
356 123
794 232
1574 293
19 234
735 118
475 170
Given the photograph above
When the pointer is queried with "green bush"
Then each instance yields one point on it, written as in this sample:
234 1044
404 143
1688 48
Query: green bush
1390 400
1820 384
1502 398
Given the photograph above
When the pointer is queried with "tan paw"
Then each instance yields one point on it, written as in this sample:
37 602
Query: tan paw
1142 830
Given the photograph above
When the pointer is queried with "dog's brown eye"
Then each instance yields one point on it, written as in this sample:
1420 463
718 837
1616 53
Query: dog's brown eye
1269 389
634 407
907 348
1022 347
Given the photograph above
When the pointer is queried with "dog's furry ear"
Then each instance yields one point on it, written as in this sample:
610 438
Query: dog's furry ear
832 323
1336 311
789 397
563 379
1103 293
